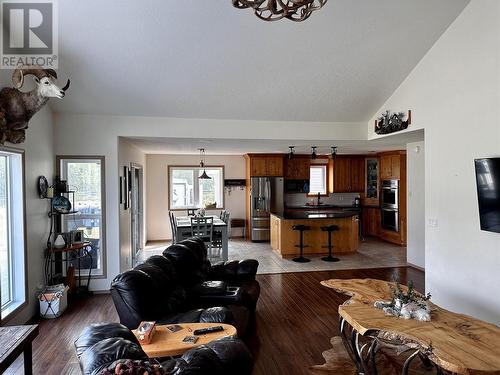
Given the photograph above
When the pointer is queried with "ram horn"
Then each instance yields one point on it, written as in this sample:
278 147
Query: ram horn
36 70
66 86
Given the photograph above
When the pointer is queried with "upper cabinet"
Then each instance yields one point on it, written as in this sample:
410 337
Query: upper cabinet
348 174
265 165
371 197
297 168
390 166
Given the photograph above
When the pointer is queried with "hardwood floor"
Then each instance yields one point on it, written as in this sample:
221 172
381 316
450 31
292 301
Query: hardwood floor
296 318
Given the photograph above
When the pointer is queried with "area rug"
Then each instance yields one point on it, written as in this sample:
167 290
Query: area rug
337 361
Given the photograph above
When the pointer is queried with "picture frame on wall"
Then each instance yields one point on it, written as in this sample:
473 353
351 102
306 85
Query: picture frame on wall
77 237
126 182
120 184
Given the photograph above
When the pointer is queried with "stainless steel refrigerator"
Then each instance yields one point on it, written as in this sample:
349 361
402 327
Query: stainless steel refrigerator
266 196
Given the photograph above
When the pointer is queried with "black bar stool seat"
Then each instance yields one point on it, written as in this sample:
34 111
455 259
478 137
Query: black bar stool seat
301 228
330 229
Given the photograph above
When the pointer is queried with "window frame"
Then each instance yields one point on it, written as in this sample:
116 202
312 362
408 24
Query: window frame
169 176
325 166
15 310
103 244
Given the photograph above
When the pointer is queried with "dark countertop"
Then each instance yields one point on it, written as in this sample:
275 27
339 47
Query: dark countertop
320 207
306 215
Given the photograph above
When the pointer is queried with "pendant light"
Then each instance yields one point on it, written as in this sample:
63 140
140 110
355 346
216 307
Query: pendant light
313 153
204 175
290 154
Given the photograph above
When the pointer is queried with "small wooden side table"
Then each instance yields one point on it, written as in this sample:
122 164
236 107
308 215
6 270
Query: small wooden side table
15 340
169 344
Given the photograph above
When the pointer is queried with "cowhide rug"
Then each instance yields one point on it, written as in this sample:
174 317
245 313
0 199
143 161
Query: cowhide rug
337 361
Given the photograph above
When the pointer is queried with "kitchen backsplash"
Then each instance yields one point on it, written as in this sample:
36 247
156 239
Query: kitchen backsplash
336 199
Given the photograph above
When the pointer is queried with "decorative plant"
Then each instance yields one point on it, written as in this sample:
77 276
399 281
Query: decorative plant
390 123
406 304
410 296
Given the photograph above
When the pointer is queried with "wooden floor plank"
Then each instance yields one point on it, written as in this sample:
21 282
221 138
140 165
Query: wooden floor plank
296 318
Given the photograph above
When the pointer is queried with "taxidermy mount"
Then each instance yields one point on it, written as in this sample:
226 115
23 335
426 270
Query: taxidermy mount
17 107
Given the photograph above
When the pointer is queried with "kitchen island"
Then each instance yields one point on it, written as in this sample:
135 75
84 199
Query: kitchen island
284 238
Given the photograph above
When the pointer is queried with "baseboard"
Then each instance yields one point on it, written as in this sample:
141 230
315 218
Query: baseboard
415 266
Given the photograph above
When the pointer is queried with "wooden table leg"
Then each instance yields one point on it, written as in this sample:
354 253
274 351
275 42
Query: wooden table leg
28 359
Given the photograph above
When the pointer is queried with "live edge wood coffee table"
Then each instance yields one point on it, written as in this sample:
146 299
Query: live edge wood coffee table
169 344
450 342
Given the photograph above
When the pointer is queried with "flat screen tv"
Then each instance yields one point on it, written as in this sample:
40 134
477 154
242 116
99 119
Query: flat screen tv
488 193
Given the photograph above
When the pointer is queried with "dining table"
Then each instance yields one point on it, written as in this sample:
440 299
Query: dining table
183 224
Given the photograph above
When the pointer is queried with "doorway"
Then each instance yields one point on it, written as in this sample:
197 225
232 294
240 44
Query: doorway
136 211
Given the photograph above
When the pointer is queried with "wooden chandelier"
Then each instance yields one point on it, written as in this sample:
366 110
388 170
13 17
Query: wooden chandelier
273 10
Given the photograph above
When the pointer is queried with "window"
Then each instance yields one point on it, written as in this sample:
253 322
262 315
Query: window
317 180
85 176
188 191
12 246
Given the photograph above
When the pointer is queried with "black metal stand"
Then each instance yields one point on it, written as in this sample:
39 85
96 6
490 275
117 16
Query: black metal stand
329 258
301 258
363 350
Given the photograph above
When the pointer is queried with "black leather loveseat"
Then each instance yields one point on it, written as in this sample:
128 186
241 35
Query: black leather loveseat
181 286
101 347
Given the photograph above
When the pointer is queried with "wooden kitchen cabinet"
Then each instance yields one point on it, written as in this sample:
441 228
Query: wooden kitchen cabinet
358 174
348 174
274 166
275 233
297 168
371 221
390 165
265 165
258 166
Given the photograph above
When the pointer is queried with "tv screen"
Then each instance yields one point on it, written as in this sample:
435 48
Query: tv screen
488 193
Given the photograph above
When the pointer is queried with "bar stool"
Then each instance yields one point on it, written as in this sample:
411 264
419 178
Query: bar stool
330 229
301 229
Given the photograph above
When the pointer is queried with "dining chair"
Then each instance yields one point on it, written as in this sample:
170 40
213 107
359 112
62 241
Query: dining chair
173 227
191 211
222 214
203 227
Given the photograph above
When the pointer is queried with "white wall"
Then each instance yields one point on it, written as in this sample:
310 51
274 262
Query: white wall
158 192
415 167
454 93
39 160
128 153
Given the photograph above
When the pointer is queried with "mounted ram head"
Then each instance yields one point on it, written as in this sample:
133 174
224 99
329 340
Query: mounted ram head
17 107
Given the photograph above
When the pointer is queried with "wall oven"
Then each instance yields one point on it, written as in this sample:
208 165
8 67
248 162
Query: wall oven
390 219
390 205
390 193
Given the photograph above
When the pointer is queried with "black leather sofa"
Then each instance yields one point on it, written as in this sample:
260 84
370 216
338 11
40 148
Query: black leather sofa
181 286
102 346
196 273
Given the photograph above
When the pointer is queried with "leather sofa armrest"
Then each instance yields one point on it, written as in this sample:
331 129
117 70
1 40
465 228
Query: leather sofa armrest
216 315
235 271
228 355
103 353
100 331
210 288
230 295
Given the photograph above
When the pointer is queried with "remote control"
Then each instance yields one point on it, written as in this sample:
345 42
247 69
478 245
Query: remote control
202 331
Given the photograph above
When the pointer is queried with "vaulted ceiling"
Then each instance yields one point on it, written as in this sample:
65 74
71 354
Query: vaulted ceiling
206 59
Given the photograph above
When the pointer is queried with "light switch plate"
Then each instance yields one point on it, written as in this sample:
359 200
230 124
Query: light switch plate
433 222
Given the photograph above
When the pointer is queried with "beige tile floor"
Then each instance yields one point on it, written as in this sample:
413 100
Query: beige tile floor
372 253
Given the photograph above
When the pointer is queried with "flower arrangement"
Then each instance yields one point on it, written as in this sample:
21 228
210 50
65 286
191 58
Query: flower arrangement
406 305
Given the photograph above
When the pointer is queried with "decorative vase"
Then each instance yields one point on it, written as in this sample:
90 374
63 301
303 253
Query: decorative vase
59 243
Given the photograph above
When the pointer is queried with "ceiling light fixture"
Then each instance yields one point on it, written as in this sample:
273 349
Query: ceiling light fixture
273 10
334 152
313 153
204 175
290 154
